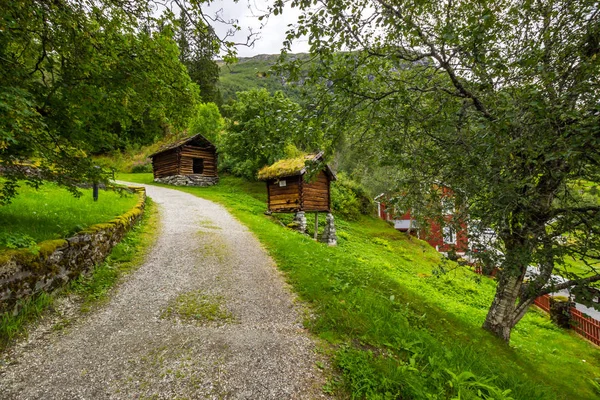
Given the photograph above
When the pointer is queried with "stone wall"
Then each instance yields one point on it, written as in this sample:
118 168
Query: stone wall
188 180
23 273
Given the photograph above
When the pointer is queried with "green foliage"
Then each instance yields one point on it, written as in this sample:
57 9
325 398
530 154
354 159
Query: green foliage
260 130
16 240
198 47
207 121
78 79
399 332
31 308
253 73
51 212
453 93
350 199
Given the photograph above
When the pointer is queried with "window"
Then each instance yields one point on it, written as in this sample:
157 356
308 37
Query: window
198 166
447 206
449 235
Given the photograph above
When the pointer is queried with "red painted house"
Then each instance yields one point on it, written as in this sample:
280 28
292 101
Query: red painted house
444 237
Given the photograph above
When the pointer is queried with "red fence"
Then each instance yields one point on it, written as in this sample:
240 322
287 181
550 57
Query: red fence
587 327
543 302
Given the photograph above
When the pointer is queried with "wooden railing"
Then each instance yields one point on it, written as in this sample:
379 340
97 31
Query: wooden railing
543 302
586 326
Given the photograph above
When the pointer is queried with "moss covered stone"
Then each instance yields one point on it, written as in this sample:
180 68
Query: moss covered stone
52 263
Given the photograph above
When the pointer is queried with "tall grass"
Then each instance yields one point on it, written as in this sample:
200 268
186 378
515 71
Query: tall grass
403 323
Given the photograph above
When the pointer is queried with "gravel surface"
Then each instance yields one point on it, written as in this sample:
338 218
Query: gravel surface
137 346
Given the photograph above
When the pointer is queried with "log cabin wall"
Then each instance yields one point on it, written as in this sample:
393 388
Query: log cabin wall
208 155
284 198
315 195
166 164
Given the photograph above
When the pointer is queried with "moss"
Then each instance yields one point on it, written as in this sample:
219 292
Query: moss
199 307
560 299
49 246
287 167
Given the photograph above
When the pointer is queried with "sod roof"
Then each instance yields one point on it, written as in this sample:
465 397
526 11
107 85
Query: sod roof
291 167
198 140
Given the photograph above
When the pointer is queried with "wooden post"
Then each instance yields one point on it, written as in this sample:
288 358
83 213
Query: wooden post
316 225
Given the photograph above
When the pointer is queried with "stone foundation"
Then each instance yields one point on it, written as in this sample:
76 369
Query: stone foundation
188 180
24 273
329 235
300 222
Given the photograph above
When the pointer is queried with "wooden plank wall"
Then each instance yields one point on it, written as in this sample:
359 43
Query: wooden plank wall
165 164
188 153
315 195
284 199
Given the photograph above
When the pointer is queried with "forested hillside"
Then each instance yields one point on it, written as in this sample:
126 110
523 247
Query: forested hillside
253 73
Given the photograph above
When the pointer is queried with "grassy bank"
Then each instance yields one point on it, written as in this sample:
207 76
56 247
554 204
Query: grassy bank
402 324
90 290
51 212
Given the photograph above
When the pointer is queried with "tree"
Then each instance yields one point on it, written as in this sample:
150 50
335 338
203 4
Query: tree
499 100
263 128
207 121
75 78
198 46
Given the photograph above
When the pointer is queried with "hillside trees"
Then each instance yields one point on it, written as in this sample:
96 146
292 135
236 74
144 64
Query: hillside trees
198 46
500 100
78 77
206 121
263 128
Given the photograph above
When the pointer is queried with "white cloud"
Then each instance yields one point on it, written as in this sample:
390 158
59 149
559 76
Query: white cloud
246 12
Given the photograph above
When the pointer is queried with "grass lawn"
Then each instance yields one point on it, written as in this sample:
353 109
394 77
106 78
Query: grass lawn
52 212
398 326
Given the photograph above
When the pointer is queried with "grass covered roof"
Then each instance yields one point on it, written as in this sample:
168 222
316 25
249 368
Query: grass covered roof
291 167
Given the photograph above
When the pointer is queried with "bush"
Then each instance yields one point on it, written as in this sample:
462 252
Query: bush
349 198
141 168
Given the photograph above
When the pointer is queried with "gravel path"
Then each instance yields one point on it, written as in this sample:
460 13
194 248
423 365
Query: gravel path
139 346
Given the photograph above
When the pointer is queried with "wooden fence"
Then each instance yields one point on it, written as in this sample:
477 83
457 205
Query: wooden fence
586 326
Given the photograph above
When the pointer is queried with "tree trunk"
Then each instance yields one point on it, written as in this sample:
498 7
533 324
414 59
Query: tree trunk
503 314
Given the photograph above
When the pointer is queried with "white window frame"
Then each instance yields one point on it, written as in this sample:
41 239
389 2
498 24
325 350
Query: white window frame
449 235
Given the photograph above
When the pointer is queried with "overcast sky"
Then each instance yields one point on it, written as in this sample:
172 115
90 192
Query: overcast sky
246 12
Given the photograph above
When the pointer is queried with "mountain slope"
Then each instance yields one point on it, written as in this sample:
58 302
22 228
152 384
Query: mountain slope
253 73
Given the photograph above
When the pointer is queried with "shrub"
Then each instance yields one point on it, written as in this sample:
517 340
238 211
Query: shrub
349 198
141 168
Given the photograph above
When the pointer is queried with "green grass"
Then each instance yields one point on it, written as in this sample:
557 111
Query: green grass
401 329
92 290
198 307
52 212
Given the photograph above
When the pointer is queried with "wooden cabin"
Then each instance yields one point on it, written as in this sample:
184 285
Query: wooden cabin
187 162
289 192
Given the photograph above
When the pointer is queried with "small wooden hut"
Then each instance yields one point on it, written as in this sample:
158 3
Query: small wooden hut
287 190
187 162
